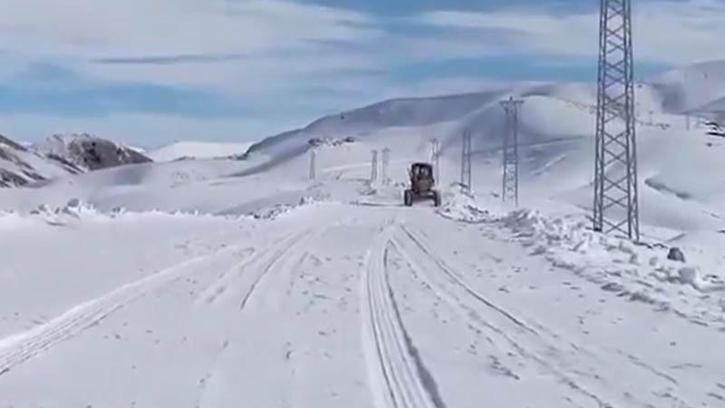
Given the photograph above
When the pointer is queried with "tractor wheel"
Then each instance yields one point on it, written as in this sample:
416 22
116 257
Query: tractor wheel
408 198
436 198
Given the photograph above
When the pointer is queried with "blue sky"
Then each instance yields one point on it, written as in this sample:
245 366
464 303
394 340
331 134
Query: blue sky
154 72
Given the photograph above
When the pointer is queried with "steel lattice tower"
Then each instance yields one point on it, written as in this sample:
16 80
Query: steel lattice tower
386 165
435 156
374 167
510 183
616 206
466 160
313 164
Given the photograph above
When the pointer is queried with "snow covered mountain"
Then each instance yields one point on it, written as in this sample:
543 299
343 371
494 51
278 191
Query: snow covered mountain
697 90
556 144
21 165
678 155
197 150
90 152
60 155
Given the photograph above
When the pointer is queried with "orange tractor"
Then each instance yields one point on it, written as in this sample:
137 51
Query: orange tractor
421 185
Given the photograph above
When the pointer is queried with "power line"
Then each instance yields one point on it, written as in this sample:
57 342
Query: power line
616 206
510 182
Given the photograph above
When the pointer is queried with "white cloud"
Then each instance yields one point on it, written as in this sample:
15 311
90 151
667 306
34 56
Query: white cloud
138 27
279 44
263 31
305 60
664 32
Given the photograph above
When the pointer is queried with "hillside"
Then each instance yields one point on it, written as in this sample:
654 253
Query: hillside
697 90
90 152
556 146
21 165
61 155
197 150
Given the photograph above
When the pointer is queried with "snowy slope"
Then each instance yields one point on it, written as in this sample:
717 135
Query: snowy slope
556 145
23 164
20 165
197 150
696 89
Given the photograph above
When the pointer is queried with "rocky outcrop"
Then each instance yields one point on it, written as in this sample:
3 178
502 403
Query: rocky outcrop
89 152
20 166
59 156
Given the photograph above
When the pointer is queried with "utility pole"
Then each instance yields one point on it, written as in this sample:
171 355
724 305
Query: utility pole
374 167
466 160
510 183
616 204
313 164
435 155
386 165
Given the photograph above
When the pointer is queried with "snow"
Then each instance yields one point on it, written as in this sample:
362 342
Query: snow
22 165
220 282
695 89
197 150
89 152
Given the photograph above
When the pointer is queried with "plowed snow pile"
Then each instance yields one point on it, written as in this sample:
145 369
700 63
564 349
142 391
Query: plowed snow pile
460 205
640 273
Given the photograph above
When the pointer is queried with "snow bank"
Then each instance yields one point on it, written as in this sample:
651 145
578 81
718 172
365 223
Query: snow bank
639 272
459 204
77 211
278 210
535 228
74 209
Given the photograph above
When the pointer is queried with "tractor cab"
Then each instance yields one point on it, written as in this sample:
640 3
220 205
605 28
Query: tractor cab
421 184
420 171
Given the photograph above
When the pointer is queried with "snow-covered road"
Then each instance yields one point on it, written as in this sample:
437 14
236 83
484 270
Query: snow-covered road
336 305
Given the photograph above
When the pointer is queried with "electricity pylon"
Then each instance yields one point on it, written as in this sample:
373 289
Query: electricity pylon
386 166
510 182
374 167
466 160
616 206
435 156
313 164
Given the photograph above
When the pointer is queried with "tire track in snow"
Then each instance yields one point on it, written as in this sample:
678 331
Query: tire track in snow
397 375
530 343
21 347
542 331
280 253
250 275
471 315
257 258
216 289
